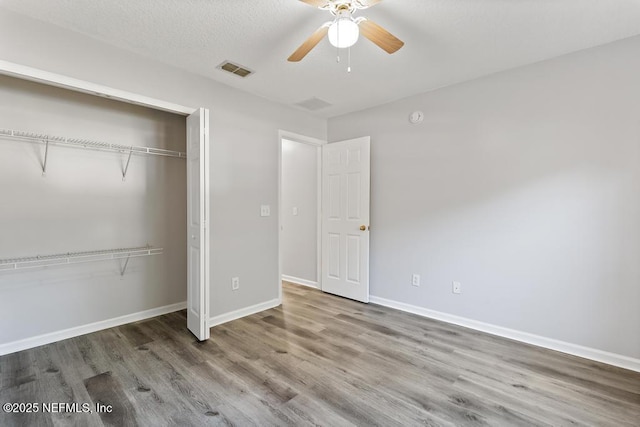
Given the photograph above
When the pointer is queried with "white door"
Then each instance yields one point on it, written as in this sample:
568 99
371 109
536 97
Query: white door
197 223
345 218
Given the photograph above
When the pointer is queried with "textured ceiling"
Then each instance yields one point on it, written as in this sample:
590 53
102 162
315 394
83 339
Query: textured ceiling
446 41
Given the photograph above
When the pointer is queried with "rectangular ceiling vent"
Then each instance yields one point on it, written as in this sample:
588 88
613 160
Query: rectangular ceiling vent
313 104
236 69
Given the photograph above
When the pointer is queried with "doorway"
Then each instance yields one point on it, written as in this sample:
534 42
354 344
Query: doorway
337 177
299 198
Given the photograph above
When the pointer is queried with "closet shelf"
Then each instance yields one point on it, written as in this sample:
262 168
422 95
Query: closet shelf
87 144
78 257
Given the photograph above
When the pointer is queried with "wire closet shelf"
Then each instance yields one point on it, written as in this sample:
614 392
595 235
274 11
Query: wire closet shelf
78 257
87 144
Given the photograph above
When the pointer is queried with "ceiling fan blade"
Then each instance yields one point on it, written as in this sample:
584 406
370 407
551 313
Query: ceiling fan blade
368 3
310 43
383 38
317 3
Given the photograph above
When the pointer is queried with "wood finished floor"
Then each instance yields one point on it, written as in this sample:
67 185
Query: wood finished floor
317 360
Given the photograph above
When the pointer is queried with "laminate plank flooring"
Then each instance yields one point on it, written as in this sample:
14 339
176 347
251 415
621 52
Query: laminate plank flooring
316 360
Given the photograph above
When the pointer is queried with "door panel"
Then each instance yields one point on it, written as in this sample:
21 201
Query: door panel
334 196
353 258
353 196
345 201
197 214
334 256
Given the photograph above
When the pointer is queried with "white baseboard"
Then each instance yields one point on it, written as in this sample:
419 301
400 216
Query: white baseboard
299 281
247 311
537 340
27 343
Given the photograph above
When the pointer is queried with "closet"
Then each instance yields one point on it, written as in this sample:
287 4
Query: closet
93 210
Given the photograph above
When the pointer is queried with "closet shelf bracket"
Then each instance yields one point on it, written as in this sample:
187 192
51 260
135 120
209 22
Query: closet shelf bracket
124 267
126 168
46 155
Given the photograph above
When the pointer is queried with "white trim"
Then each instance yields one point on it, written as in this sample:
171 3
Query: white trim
299 281
280 216
319 219
537 340
246 311
207 217
283 134
27 343
300 138
58 80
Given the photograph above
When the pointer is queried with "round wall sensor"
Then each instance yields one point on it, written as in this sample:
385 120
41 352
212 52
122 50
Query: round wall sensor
416 117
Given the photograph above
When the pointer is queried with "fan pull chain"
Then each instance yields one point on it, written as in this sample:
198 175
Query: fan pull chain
349 60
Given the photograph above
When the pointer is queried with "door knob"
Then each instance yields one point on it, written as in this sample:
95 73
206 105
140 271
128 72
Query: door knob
363 227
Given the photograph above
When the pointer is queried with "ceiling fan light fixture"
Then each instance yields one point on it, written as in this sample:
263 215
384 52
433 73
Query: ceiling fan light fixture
343 32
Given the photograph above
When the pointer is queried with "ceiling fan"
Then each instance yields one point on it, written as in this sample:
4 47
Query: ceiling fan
344 30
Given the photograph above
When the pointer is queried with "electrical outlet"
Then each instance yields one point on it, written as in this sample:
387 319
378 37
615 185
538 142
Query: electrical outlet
265 210
456 287
235 283
415 280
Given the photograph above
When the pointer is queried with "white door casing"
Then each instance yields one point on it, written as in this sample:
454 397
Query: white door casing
197 223
345 212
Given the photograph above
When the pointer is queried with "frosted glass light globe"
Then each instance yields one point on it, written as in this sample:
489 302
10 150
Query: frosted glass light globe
343 33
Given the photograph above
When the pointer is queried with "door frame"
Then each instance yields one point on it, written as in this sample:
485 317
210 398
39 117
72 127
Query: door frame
318 143
58 80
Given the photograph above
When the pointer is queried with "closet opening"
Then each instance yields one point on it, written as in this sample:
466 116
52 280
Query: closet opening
96 220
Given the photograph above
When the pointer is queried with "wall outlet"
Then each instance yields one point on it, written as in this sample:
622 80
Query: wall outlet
415 280
265 210
456 287
235 283
295 211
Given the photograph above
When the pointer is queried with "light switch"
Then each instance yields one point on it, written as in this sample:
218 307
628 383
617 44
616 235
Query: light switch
295 211
265 210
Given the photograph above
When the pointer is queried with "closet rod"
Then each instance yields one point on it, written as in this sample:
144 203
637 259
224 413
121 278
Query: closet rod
77 257
88 144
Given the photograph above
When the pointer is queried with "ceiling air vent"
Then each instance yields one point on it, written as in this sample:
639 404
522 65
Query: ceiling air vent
313 104
236 69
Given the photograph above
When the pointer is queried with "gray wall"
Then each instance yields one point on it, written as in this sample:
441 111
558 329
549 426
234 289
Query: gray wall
244 151
523 186
82 205
299 190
